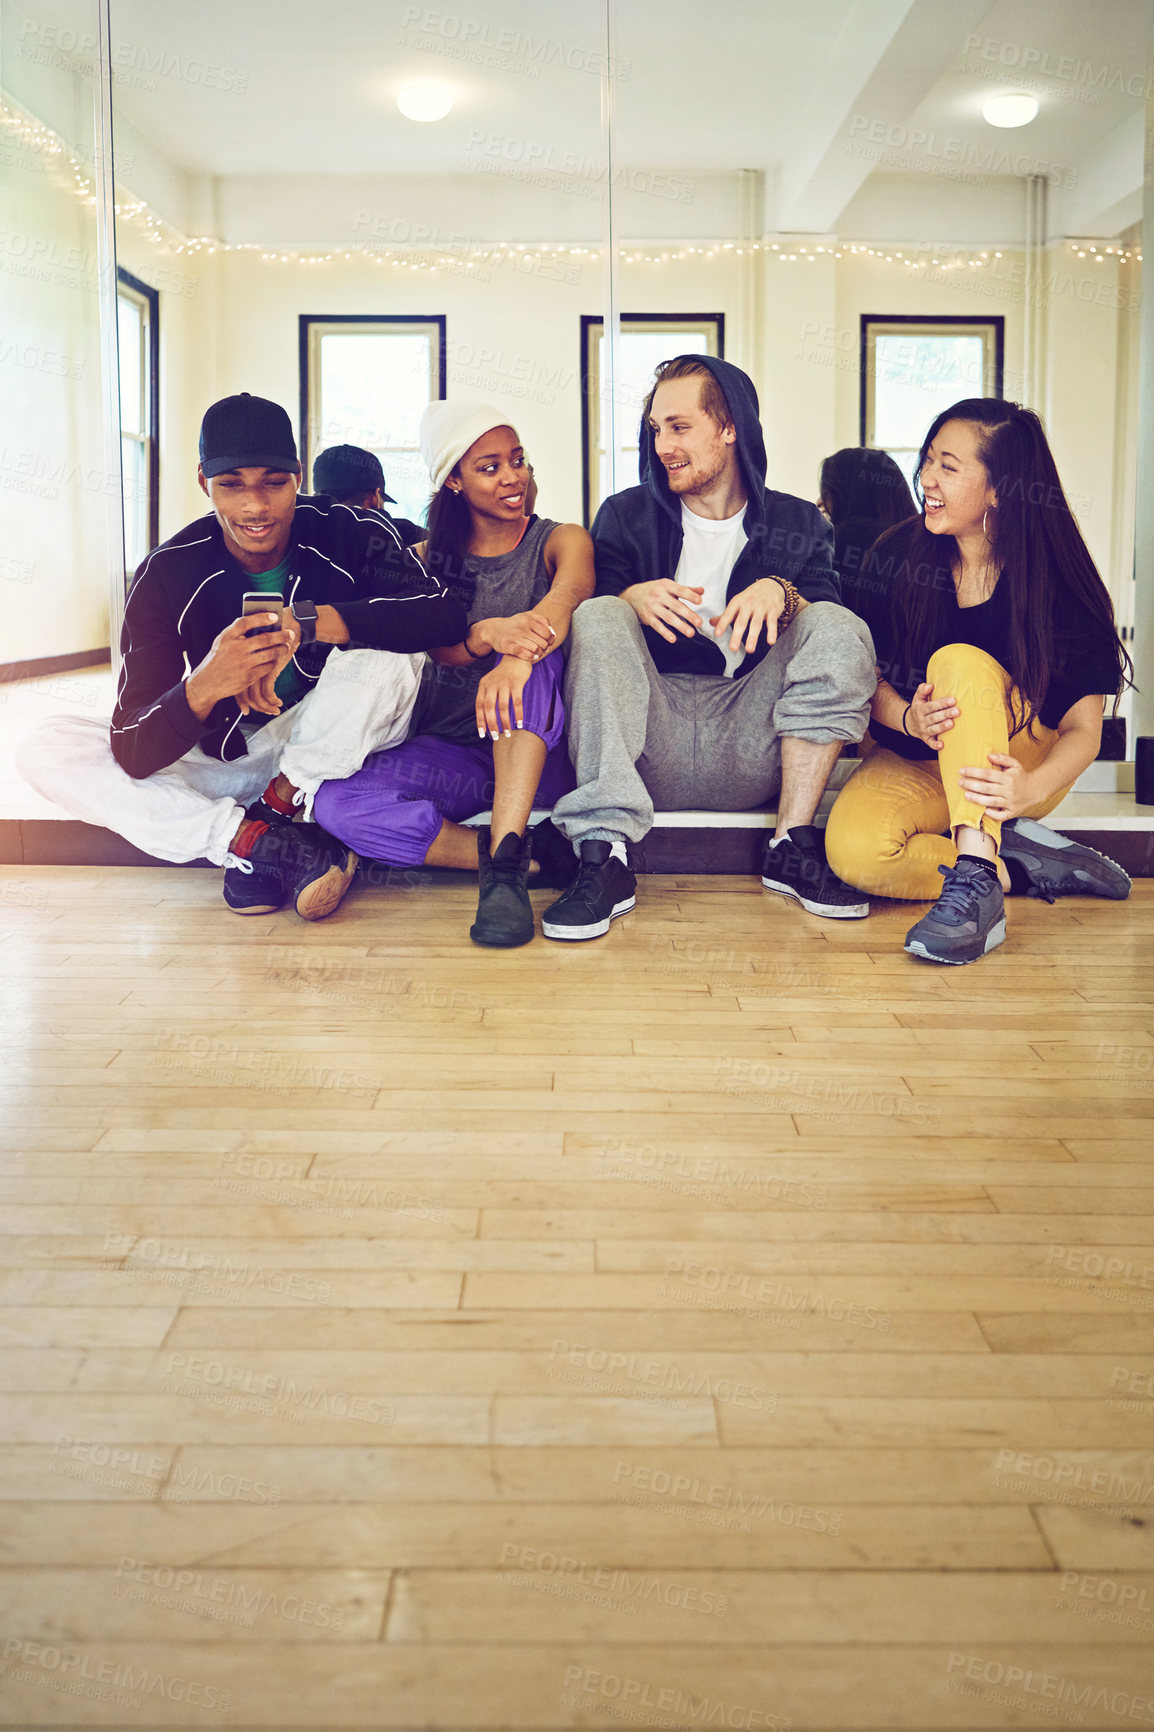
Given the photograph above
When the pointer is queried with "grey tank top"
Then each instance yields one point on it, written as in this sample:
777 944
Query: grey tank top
507 583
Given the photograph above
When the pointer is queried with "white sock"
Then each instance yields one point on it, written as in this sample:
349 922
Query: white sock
776 841
617 852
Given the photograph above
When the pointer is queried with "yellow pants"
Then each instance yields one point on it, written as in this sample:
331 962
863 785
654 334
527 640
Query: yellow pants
893 823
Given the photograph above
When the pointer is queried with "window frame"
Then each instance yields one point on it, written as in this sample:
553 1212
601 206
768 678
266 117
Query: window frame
591 326
308 324
991 325
149 298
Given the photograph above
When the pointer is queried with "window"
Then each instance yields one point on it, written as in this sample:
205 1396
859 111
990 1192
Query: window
138 342
366 381
646 340
912 369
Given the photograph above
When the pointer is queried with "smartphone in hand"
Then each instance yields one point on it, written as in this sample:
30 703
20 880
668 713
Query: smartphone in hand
263 601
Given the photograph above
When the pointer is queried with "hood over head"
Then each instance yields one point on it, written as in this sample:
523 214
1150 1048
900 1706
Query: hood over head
741 395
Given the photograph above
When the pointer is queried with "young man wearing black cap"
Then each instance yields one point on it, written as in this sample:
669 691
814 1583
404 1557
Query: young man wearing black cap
226 724
353 476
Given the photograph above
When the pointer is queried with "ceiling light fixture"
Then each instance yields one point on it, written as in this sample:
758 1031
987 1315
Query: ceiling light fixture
425 99
1009 108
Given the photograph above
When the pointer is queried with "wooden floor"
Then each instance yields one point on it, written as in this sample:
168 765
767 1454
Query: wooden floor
731 1323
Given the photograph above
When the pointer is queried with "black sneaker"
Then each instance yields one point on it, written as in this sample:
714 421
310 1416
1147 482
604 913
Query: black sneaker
554 854
504 912
1054 866
251 886
315 867
307 866
967 920
602 889
798 867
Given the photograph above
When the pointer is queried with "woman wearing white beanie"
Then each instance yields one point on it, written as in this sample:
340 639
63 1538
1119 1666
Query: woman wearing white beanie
488 727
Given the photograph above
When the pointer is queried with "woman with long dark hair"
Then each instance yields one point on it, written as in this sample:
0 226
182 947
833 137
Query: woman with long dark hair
863 493
488 726
997 650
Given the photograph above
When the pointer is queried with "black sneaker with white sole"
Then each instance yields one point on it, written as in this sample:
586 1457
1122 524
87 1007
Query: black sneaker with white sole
797 867
1054 866
602 889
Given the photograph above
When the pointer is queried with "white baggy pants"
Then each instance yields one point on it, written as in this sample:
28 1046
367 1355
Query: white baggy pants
190 810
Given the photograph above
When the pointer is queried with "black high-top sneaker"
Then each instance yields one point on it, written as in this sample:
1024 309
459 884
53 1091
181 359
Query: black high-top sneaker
554 854
504 912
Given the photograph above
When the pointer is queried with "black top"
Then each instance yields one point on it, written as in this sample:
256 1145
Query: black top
1084 646
189 589
637 534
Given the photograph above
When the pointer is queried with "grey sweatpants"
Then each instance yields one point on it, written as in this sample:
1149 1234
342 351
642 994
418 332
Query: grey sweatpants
642 740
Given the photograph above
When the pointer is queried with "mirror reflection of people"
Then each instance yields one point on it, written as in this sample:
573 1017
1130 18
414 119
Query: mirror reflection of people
863 493
996 654
224 726
714 667
353 476
488 727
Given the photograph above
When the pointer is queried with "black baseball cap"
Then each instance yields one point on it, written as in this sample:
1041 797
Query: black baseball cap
343 470
244 432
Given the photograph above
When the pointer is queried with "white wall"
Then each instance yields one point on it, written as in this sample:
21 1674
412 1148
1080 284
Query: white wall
54 490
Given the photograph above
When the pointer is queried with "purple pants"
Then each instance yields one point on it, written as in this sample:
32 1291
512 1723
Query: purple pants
393 807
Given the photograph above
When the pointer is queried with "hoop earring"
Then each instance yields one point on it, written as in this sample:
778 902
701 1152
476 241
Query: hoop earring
985 514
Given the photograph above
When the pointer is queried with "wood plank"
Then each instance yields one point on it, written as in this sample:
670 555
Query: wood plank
733 1306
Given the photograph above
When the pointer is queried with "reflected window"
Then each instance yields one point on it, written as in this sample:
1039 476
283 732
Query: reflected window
138 348
647 339
913 368
367 381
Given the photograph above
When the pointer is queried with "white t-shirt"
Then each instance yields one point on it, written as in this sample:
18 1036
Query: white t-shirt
708 555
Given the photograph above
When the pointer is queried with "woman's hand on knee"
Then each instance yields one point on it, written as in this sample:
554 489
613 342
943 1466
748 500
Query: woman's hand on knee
1004 788
928 717
499 697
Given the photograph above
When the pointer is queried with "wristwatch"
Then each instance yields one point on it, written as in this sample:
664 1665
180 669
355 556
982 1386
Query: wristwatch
305 614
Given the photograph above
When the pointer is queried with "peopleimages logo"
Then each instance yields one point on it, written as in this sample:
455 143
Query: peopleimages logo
1050 1686
70 1668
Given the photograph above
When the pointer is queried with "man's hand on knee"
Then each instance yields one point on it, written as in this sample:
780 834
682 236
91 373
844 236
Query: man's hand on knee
663 604
762 604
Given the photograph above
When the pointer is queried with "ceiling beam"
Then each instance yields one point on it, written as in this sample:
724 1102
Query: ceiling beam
1107 196
877 83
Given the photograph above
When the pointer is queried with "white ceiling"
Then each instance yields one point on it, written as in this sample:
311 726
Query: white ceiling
802 90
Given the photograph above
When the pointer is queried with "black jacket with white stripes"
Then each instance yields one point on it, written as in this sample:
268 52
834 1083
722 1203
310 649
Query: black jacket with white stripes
190 588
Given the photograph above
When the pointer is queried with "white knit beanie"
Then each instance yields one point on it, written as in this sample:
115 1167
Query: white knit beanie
448 430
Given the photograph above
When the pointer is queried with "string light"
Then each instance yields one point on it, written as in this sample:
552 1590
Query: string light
78 176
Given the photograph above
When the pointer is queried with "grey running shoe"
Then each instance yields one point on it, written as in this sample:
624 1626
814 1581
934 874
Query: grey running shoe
1057 867
968 918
